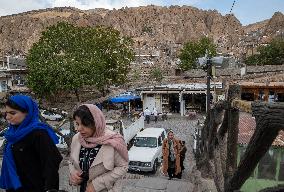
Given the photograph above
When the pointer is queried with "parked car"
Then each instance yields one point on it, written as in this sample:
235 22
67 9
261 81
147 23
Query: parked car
146 152
62 143
64 113
129 132
48 115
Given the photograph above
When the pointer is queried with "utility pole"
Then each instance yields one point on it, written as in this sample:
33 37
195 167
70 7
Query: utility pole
207 66
208 95
139 53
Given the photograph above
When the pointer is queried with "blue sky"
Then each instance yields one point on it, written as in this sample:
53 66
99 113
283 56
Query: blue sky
247 11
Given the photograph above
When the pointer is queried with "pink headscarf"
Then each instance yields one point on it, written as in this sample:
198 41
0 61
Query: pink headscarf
103 136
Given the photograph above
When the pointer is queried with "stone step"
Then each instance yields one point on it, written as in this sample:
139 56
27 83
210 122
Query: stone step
157 184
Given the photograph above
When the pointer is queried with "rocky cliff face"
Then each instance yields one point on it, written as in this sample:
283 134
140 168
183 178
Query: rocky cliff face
261 33
158 32
18 32
270 27
152 24
275 24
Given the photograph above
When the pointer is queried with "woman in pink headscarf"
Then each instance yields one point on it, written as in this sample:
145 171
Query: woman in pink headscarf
99 157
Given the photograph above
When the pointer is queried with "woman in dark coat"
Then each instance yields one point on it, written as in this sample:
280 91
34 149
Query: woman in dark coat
183 150
31 159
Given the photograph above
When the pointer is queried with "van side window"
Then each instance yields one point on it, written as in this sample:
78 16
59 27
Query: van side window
160 141
163 135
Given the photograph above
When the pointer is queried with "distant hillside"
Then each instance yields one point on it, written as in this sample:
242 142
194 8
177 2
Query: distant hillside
268 27
276 23
256 26
154 28
151 23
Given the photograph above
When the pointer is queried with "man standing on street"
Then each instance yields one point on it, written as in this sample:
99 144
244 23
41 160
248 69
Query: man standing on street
147 114
155 113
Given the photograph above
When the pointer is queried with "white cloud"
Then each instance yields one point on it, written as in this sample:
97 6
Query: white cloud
241 10
91 4
9 7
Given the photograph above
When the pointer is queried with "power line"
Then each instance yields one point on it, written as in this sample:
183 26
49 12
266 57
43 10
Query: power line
232 6
226 21
231 9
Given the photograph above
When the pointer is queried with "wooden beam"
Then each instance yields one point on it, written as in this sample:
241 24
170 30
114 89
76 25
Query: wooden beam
242 105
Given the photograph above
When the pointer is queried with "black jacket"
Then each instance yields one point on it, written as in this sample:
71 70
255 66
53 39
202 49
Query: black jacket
37 162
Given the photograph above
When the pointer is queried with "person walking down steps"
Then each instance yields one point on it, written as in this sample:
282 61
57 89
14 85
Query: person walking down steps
147 114
171 156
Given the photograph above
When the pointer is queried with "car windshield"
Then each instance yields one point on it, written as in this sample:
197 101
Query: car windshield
145 142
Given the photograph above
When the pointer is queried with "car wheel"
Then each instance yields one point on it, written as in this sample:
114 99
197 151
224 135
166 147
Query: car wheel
155 166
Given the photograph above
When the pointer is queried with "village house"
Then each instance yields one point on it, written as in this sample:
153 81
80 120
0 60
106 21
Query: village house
268 91
179 98
13 71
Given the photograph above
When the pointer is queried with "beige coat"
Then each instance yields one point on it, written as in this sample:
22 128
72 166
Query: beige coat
106 169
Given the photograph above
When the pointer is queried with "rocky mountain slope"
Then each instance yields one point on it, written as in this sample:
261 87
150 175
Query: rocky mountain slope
269 27
158 32
153 24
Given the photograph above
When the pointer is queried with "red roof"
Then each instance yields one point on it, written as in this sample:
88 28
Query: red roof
246 129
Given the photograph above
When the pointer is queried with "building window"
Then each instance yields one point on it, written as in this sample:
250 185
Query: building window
242 150
247 96
280 97
271 96
267 165
281 170
261 95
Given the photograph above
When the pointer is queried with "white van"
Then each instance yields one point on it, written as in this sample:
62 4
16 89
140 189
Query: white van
146 152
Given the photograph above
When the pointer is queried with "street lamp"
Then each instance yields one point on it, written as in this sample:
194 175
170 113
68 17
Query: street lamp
207 63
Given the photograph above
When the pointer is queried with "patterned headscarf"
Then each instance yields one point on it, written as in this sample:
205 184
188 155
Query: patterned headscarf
103 136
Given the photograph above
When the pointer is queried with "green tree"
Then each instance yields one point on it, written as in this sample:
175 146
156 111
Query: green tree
253 60
271 54
67 58
136 75
156 74
195 49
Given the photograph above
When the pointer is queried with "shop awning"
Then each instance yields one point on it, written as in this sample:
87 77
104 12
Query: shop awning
125 98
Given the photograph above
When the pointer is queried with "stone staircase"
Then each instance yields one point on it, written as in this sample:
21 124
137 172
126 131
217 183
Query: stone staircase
157 184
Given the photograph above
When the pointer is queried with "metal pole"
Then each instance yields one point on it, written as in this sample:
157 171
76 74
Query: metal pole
139 53
209 69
